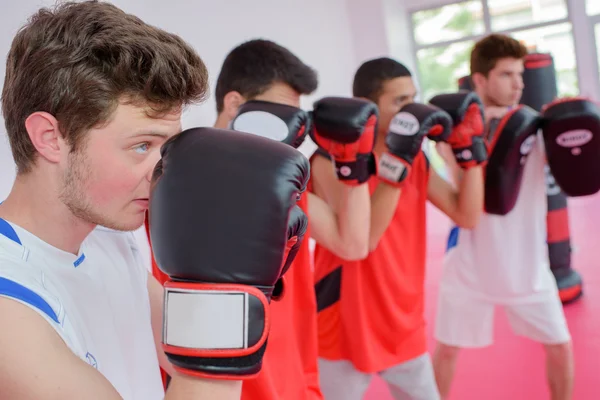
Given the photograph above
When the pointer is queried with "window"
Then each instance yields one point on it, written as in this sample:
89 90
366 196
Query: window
507 14
441 67
450 22
444 37
558 41
592 7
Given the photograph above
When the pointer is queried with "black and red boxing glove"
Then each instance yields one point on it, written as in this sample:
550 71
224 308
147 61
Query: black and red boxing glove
571 129
275 121
405 137
467 136
345 129
223 233
511 139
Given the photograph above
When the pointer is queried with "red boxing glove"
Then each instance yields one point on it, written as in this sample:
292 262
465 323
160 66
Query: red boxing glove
467 136
345 129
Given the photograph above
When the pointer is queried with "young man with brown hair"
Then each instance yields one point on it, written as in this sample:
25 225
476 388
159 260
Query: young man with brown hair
371 311
91 96
503 261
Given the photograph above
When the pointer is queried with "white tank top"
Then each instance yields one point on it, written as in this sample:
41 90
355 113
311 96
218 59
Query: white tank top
505 258
97 301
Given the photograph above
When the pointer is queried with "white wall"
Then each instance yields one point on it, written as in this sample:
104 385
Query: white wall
317 31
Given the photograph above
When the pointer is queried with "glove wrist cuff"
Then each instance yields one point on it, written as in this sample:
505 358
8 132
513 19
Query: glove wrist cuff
356 172
215 329
473 155
393 169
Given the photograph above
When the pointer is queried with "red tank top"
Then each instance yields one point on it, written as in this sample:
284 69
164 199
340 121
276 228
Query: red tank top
289 369
371 311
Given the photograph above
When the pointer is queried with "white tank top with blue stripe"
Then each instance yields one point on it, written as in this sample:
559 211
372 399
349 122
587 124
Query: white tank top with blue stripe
504 259
97 301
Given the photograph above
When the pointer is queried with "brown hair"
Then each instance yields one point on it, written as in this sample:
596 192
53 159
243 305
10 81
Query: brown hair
252 67
79 60
490 49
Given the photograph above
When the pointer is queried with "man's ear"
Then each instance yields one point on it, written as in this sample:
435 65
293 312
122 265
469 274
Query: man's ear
478 79
231 103
45 135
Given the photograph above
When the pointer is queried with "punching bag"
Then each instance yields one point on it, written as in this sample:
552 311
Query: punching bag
540 88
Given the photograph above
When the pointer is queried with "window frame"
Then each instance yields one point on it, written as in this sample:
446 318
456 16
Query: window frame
487 23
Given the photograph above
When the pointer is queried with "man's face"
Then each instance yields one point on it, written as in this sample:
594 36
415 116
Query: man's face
107 181
503 86
395 94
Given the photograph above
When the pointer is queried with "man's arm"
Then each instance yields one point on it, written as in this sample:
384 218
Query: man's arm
35 363
156 293
339 214
383 207
463 206
345 219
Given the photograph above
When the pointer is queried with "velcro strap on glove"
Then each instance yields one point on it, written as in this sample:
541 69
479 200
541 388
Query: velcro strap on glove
473 155
392 169
356 172
217 331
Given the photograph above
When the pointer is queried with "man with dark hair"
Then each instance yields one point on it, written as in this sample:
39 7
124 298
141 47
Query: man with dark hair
90 97
503 261
370 317
266 76
271 67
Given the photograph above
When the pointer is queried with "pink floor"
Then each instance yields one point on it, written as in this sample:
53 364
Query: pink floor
513 368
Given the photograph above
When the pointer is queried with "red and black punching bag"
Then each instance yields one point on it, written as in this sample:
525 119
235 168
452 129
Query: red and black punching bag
540 88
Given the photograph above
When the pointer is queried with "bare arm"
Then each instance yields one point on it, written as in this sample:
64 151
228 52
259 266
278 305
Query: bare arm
156 293
182 386
35 363
339 214
463 206
383 206
369 217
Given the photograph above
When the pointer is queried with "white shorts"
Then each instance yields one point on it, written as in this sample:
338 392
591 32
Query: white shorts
411 380
466 320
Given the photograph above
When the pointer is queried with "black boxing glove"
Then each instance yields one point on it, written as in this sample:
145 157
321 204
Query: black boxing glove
571 129
405 137
512 139
223 232
275 121
467 137
345 128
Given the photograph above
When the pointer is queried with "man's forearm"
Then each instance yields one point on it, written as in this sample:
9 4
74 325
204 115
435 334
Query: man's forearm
353 215
383 207
186 387
470 196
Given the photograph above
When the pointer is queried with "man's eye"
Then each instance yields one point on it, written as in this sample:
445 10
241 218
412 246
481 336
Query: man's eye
142 148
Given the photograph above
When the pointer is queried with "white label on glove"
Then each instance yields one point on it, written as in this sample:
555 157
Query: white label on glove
205 319
404 124
574 138
390 168
261 123
527 145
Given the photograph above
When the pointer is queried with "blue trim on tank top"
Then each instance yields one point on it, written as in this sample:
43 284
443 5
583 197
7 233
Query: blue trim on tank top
17 291
453 238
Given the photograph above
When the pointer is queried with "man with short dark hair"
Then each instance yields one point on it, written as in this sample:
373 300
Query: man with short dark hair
503 261
371 317
269 76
